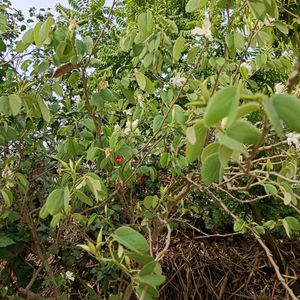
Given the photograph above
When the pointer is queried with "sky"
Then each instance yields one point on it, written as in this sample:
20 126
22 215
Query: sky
24 5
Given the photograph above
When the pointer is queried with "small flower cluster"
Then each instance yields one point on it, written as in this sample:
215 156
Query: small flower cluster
248 67
178 81
204 30
279 88
129 127
293 138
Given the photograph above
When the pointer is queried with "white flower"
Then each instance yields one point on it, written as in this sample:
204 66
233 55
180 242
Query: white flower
135 124
205 30
279 88
77 99
178 81
247 67
117 127
70 276
127 131
128 112
294 139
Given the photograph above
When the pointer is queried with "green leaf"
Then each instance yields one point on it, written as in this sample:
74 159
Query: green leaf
293 223
271 8
145 26
270 189
178 48
259 229
193 150
27 38
238 225
83 198
223 103
44 110
193 5
288 110
131 239
273 117
178 114
55 201
5 241
45 29
141 80
231 143
164 159
258 8
157 122
10 105
36 34
153 279
149 86
224 155
244 132
246 109
211 168
209 149
151 201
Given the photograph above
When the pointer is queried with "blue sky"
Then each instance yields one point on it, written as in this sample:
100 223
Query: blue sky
24 5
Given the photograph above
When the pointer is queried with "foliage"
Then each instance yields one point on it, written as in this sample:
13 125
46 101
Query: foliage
119 127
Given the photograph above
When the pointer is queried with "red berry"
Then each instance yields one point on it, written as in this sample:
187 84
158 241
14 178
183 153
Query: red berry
139 179
119 159
183 150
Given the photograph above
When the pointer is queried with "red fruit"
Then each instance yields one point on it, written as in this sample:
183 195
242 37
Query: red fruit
119 159
134 200
139 179
183 150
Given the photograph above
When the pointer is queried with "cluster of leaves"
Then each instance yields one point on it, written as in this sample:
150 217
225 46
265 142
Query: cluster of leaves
135 120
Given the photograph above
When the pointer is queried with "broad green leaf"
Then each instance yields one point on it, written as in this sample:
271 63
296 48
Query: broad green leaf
83 198
178 48
244 132
36 34
288 110
10 105
193 150
273 116
153 279
178 114
157 122
231 143
193 5
224 155
209 149
258 8
259 229
27 38
44 110
246 109
286 228
55 201
151 201
191 135
149 86
131 239
239 225
145 26
5 241
141 80
211 168
148 268
223 103
293 223
45 29
164 159
270 189
271 8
